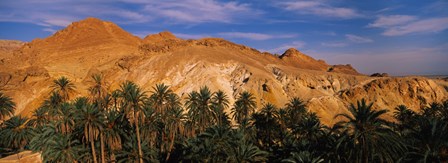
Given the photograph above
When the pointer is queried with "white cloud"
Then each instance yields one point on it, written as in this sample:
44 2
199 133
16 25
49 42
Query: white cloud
57 13
432 25
320 8
398 25
334 44
358 39
57 22
198 11
49 30
391 20
284 47
255 36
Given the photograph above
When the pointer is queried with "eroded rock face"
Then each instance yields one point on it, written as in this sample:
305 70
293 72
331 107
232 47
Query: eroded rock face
345 69
187 65
379 75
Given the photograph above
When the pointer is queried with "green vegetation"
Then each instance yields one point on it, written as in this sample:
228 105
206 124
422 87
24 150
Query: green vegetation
131 125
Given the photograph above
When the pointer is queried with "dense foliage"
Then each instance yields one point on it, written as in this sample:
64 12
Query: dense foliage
131 125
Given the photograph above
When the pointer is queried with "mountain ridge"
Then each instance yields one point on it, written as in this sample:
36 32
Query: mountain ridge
186 65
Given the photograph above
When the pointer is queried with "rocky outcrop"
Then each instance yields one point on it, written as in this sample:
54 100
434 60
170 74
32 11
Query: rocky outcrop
300 60
379 75
345 69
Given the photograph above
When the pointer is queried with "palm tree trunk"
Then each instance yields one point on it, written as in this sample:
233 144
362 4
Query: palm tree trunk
170 147
92 145
103 160
140 155
112 156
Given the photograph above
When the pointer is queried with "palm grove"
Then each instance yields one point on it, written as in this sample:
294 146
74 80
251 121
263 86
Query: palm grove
131 125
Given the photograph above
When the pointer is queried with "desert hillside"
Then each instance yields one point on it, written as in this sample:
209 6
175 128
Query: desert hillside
93 46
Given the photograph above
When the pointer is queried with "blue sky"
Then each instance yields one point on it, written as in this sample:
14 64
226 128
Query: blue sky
401 37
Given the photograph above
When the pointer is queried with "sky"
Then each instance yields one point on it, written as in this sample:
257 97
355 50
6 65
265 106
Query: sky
400 37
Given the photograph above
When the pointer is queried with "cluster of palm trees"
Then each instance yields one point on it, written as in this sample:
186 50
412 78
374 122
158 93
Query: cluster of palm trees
131 125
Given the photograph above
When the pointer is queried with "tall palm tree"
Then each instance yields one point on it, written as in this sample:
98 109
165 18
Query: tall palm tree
98 90
200 109
133 102
7 106
220 103
40 117
267 124
295 109
159 98
175 127
403 114
309 128
244 106
64 87
17 133
372 137
99 97
132 153
52 104
112 132
91 120
66 118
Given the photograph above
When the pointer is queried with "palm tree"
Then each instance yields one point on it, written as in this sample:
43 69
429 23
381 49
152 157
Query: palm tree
61 149
98 89
213 145
17 133
244 106
372 137
66 120
429 139
131 153
309 128
303 156
220 103
40 117
52 104
245 151
295 109
43 136
159 97
199 106
100 98
133 102
91 120
64 87
7 107
175 127
112 132
405 117
267 124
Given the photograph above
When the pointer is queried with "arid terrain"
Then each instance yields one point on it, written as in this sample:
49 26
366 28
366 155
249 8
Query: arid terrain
93 46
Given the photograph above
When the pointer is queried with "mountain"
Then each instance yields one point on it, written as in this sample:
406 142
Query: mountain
93 46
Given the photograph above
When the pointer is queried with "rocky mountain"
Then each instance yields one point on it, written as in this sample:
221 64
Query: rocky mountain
93 46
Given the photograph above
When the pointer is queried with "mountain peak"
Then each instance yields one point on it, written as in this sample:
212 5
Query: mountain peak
291 52
298 59
162 36
89 32
91 20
